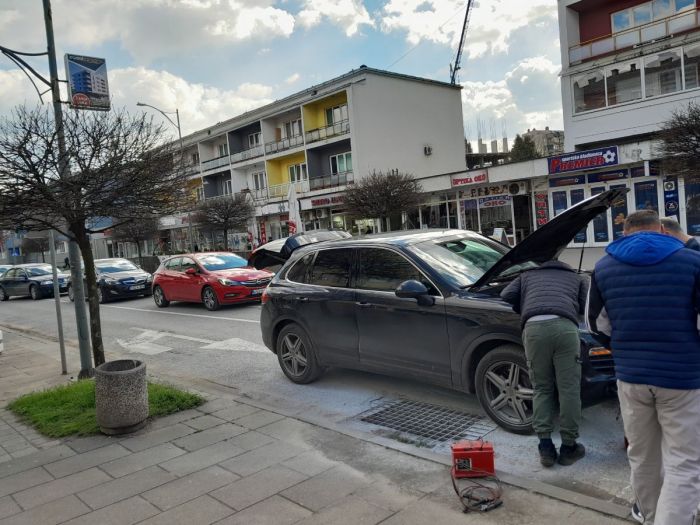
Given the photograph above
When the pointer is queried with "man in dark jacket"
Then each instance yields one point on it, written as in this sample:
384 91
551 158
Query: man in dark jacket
644 302
550 300
671 227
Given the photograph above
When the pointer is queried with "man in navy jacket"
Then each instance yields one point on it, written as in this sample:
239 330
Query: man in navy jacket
644 301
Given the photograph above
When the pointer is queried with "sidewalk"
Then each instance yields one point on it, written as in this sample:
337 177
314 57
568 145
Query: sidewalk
228 462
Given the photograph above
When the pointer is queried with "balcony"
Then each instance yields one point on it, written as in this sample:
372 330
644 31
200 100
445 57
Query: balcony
191 169
334 130
215 163
247 154
658 29
331 181
279 191
284 144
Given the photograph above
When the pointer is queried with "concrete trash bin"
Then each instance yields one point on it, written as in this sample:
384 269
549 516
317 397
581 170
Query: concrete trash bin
121 396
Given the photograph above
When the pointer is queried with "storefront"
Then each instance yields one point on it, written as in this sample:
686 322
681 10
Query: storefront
327 211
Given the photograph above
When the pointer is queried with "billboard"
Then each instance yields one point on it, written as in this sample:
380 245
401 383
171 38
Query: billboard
87 82
583 160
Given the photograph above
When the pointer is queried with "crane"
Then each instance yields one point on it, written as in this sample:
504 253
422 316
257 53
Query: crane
458 59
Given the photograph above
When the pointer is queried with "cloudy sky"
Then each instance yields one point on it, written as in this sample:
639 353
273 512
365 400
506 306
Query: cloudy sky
214 59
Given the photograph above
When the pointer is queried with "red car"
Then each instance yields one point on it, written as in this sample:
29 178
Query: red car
210 278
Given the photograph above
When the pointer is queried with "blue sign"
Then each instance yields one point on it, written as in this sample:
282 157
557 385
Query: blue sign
583 160
87 82
671 199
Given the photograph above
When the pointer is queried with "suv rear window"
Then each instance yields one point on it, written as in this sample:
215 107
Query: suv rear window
299 273
332 268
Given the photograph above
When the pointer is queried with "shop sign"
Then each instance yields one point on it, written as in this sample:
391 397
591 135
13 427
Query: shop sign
671 198
263 234
606 176
583 160
485 191
541 209
567 181
470 178
494 202
326 201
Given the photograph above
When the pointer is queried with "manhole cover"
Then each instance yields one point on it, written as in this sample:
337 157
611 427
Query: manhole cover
428 425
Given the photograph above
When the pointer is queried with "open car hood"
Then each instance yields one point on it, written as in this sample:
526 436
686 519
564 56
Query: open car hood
547 242
277 252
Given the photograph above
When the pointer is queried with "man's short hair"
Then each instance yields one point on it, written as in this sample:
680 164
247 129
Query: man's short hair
671 225
642 220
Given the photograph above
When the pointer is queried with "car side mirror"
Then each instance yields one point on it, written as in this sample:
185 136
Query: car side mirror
191 271
415 290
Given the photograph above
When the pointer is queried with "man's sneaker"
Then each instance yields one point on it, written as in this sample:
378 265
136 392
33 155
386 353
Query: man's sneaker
570 454
637 514
548 454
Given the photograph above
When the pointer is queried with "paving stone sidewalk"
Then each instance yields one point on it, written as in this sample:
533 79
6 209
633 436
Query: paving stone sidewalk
230 462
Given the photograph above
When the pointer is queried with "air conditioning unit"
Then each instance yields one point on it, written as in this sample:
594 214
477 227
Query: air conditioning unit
517 188
427 150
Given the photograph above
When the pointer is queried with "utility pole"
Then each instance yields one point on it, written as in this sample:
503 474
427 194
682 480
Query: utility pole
57 299
73 250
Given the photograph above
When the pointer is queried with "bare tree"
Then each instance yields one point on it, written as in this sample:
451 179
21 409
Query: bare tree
381 195
119 166
36 243
137 231
226 213
679 144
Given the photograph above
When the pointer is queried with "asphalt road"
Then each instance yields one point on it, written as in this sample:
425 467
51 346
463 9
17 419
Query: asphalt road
226 347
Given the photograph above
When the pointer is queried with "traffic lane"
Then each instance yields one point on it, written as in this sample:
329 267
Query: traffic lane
129 316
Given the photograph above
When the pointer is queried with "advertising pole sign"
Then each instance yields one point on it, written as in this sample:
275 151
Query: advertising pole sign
583 160
87 82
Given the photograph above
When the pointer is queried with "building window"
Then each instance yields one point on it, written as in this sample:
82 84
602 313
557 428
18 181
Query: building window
297 173
691 61
589 91
199 194
195 159
336 114
259 180
642 14
291 129
226 187
662 73
223 150
341 163
601 227
624 83
254 139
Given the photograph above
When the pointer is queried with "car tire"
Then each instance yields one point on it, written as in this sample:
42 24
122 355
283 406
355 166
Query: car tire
34 292
209 298
159 297
71 296
3 295
101 297
296 355
504 389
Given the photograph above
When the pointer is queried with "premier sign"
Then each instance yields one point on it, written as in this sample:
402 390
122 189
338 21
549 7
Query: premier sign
583 160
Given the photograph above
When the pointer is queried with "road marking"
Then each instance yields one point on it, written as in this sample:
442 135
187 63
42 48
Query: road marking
146 343
236 319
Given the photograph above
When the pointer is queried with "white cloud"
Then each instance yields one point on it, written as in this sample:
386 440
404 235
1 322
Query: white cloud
292 79
252 21
348 14
490 29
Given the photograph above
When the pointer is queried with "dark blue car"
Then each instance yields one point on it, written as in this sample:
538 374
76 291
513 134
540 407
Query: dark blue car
30 280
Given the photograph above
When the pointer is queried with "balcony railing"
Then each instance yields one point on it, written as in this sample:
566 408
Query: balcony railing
339 128
284 144
246 154
215 163
279 191
191 169
636 35
331 181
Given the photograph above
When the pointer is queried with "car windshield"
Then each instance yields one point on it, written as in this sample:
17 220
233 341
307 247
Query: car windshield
39 270
115 266
464 261
221 261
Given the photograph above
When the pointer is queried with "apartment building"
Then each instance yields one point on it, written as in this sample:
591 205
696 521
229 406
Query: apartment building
547 141
296 156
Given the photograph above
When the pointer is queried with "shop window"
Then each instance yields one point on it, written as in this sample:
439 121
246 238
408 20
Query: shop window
577 196
624 82
589 91
383 271
601 227
691 59
646 196
341 163
618 210
662 73
692 207
332 268
559 202
470 215
496 212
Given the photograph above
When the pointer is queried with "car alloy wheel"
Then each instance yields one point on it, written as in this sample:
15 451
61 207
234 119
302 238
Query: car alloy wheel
209 299
34 292
504 389
159 297
3 295
296 356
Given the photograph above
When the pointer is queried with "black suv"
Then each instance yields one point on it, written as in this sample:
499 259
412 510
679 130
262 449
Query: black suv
424 305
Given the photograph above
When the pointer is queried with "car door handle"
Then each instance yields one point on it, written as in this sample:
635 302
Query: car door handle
302 299
363 304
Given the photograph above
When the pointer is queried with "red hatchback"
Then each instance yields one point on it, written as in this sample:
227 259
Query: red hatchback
210 278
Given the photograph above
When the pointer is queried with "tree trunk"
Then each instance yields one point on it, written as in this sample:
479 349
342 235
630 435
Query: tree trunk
43 257
225 239
388 223
138 250
98 351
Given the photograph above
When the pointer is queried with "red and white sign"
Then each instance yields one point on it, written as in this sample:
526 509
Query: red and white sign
541 209
326 201
494 202
263 235
292 227
475 177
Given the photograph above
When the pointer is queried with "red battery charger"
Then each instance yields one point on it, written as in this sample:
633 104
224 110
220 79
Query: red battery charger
472 459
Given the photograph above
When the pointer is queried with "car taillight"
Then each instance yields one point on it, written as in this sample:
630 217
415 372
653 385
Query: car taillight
264 298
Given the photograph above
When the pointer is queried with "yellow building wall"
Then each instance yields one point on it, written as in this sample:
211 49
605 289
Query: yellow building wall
278 169
315 113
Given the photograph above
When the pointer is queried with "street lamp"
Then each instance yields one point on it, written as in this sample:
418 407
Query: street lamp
182 153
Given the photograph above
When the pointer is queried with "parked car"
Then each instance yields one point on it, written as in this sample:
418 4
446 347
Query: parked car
214 279
119 279
425 305
4 268
33 280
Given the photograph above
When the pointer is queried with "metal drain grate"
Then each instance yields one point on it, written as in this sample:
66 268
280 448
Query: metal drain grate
428 425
